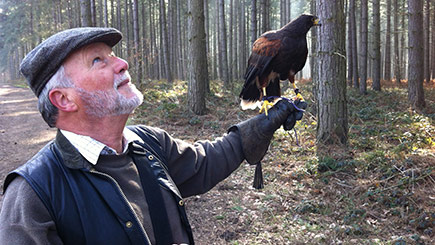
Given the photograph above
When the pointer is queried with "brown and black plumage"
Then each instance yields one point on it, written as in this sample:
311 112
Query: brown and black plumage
276 55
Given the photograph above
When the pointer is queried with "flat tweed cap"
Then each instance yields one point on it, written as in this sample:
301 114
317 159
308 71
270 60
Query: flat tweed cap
42 62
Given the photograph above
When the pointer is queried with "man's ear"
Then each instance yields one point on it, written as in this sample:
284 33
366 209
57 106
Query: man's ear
62 99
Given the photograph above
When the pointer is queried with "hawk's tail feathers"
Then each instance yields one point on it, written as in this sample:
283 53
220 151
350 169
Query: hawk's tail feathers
250 104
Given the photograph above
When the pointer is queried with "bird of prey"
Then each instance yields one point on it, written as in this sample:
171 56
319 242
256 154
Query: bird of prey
276 55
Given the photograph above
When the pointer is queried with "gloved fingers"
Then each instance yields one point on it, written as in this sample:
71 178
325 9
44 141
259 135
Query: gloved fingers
301 104
284 105
299 115
290 121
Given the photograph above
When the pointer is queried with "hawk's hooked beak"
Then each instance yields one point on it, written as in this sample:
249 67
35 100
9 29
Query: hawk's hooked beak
317 22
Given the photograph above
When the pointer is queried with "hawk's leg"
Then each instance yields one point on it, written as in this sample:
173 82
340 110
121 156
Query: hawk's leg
266 103
291 78
297 92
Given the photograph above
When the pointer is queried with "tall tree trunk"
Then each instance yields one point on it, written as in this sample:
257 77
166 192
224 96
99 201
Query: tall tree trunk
364 47
264 16
235 47
387 60
182 50
172 40
112 13
230 43
253 21
119 26
100 11
137 46
427 47
217 40
396 63
85 10
313 59
349 48
164 35
153 43
208 40
127 29
223 43
105 14
198 74
354 48
332 127
31 25
69 12
403 51
93 13
376 46
215 66
415 52
243 45
282 12
433 41
145 42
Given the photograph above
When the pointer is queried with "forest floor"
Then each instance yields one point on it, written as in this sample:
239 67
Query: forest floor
380 189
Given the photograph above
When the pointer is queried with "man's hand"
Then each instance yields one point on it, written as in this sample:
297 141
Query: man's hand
257 132
296 115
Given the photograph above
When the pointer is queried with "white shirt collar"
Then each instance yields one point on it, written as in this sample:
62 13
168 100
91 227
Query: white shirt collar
91 149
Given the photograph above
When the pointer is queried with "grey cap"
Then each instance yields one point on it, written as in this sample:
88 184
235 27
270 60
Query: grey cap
42 62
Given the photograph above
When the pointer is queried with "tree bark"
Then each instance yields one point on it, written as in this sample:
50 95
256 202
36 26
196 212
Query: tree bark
137 46
105 14
85 11
387 60
93 13
223 43
433 41
376 46
243 45
164 36
397 61
364 46
253 21
332 127
427 47
415 52
119 26
198 74
230 42
313 59
354 48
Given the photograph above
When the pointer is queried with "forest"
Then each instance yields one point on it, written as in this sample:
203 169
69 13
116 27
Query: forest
359 168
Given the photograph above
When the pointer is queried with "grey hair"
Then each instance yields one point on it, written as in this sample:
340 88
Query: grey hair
48 111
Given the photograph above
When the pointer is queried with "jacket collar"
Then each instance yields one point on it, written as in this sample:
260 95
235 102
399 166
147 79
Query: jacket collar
70 155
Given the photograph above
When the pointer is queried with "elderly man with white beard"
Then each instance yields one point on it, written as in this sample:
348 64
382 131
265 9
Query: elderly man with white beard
98 181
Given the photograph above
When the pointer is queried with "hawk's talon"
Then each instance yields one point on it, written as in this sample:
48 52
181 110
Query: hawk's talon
265 105
298 97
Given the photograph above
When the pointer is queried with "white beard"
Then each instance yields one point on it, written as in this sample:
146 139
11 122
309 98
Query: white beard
111 103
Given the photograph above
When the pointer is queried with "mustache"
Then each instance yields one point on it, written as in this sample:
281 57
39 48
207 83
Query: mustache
121 78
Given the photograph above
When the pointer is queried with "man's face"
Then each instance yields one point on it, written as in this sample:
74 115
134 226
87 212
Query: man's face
102 81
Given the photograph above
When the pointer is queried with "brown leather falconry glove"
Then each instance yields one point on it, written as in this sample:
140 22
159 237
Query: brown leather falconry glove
257 132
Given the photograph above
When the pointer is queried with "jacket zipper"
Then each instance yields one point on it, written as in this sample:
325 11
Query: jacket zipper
92 170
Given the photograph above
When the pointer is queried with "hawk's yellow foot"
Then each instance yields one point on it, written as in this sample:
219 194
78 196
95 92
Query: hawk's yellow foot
299 97
298 94
265 106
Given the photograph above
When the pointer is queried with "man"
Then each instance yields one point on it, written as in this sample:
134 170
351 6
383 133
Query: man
99 182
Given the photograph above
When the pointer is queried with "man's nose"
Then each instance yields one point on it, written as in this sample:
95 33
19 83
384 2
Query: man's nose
120 65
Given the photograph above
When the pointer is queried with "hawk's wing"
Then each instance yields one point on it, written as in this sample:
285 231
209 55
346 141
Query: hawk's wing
257 72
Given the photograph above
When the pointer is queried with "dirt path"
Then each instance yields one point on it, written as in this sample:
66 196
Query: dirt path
23 132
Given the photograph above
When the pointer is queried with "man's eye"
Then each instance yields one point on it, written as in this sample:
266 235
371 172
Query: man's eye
96 60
